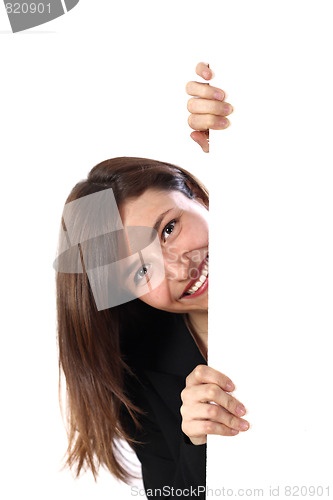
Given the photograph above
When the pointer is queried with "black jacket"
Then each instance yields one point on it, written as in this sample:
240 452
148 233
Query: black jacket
162 352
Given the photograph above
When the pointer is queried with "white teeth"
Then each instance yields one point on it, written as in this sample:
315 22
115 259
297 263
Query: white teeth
200 282
197 285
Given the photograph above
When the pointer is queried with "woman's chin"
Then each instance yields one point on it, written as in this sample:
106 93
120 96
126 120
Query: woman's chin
198 304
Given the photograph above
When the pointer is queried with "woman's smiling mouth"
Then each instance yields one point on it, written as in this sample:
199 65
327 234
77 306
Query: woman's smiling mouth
199 285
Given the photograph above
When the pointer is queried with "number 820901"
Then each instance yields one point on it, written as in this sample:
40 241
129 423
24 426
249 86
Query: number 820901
28 8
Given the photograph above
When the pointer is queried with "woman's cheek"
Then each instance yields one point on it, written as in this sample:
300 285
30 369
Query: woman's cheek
158 297
199 236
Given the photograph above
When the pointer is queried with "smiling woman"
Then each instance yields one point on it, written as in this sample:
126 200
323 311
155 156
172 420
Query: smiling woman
109 355
132 301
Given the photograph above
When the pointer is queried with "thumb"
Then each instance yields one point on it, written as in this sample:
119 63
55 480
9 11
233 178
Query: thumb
202 138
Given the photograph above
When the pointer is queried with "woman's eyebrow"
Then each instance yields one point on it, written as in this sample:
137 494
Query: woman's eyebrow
159 220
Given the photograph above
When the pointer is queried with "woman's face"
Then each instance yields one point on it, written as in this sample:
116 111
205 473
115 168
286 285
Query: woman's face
183 236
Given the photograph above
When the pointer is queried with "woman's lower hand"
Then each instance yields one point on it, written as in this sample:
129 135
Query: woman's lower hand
205 386
207 107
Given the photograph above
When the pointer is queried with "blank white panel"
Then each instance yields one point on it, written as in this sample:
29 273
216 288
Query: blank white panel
271 278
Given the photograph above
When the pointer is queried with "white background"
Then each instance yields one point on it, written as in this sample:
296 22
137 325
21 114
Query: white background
108 79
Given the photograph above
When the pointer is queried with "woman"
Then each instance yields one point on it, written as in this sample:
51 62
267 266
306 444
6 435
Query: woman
134 351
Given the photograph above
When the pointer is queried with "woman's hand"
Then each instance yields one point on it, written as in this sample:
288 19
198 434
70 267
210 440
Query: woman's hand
205 385
207 107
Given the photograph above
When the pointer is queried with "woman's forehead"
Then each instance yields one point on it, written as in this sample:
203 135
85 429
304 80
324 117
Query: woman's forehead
144 209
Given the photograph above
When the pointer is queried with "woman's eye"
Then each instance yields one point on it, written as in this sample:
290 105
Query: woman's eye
141 273
168 229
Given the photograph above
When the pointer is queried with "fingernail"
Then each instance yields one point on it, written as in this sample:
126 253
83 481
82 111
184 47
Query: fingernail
206 74
240 410
222 122
234 432
218 95
229 386
243 425
228 109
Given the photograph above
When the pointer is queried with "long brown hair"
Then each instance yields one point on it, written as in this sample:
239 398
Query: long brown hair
90 356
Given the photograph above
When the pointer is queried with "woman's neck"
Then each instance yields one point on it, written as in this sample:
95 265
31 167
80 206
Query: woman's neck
198 326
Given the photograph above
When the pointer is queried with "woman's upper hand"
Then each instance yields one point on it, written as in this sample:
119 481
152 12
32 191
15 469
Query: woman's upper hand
205 386
207 107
